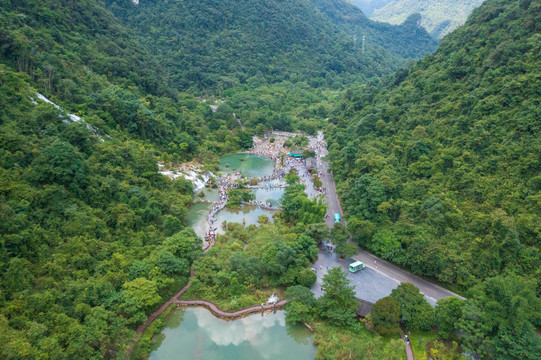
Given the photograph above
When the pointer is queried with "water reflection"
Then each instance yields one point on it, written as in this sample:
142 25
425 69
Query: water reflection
197 218
247 215
247 164
268 194
203 336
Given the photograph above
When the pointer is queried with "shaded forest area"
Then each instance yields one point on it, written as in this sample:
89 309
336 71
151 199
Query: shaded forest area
439 171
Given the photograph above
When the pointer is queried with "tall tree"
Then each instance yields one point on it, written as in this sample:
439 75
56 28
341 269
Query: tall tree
338 304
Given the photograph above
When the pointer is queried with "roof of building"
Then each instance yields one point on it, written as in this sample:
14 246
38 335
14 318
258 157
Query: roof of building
310 163
365 307
296 152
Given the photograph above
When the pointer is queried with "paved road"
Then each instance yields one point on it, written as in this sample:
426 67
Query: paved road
431 291
369 285
377 280
380 277
327 179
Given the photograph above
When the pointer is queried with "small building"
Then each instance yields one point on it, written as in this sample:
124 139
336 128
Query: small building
365 307
296 153
310 164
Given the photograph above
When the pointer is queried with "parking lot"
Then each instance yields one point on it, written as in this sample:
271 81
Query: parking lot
369 284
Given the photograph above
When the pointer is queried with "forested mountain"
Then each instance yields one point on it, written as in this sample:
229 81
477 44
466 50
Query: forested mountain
73 51
219 44
440 171
438 17
91 237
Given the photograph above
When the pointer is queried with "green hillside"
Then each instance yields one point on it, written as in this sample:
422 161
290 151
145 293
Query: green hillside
438 165
215 45
438 17
91 237
439 172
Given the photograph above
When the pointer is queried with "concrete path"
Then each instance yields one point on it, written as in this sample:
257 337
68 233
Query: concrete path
408 349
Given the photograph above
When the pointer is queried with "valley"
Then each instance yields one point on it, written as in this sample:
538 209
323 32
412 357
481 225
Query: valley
270 179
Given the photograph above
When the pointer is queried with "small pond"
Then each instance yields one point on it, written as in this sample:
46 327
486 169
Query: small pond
195 333
248 164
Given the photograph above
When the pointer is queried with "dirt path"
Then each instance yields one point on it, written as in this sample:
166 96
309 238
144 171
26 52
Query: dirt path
209 305
142 328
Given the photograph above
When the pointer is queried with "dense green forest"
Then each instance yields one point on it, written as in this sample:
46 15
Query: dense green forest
91 236
215 45
102 72
439 171
279 64
438 167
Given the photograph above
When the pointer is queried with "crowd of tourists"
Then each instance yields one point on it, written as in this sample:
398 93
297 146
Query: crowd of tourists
274 151
225 182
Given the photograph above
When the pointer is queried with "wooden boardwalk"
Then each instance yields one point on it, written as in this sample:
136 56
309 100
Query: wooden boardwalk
214 309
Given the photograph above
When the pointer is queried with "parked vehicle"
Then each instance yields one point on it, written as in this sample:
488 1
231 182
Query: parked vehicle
356 266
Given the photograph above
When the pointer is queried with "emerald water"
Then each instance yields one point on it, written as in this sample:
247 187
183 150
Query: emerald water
268 194
247 164
195 333
197 214
247 215
197 218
